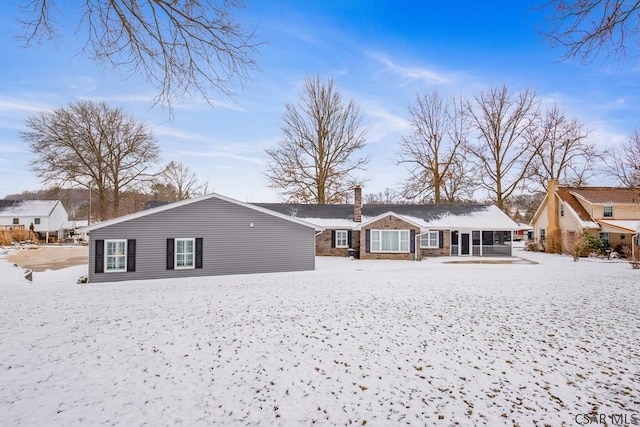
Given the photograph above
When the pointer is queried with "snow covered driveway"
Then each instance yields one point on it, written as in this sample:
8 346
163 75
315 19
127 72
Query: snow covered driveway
354 342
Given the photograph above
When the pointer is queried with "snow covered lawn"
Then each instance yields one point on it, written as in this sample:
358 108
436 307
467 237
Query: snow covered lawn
364 342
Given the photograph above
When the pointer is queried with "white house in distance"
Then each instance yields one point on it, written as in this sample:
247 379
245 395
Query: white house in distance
47 216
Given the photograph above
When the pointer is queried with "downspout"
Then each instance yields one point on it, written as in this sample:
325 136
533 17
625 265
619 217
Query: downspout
315 243
415 255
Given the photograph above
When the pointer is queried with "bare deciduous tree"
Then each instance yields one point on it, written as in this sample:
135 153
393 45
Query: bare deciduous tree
525 206
461 181
181 47
315 161
625 166
502 152
587 28
177 182
385 197
575 243
434 147
563 150
93 146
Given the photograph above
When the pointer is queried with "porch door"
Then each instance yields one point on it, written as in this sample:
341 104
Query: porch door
465 247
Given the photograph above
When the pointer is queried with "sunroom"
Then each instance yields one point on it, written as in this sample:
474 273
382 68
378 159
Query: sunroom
481 243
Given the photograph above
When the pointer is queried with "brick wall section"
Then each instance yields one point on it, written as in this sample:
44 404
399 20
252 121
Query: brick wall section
444 251
323 244
389 222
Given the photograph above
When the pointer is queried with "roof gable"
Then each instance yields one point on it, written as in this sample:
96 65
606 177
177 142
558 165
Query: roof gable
606 195
173 205
27 208
423 216
389 213
567 197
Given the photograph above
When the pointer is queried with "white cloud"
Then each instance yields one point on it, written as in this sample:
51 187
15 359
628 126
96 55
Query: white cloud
218 154
384 123
167 131
412 73
11 105
14 149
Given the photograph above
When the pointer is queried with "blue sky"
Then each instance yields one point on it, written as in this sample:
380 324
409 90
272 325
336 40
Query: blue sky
379 53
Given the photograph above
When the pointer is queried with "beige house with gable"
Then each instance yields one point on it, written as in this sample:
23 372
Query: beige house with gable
610 213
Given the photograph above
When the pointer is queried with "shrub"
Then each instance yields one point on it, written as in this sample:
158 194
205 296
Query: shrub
634 259
8 236
594 245
533 246
5 238
20 234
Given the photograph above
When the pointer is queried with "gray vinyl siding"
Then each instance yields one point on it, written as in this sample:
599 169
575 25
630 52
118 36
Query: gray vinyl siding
230 245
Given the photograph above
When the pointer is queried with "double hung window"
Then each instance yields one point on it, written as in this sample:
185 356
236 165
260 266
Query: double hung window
429 239
115 258
185 253
342 239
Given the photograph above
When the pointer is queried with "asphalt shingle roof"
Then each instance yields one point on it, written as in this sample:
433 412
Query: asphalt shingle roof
34 208
345 211
607 194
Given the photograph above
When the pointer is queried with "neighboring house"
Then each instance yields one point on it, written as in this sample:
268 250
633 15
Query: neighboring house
611 213
74 230
47 216
524 232
208 235
405 231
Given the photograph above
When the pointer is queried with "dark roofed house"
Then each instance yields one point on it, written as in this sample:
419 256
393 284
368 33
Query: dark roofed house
214 235
405 231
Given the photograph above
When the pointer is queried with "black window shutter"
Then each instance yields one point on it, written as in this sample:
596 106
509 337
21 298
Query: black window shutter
199 252
131 255
333 238
349 238
99 256
170 249
367 238
412 241
441 239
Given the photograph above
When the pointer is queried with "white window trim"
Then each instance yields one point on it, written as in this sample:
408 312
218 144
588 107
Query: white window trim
604 213
175 254
428 235
107 256
346 239
379 240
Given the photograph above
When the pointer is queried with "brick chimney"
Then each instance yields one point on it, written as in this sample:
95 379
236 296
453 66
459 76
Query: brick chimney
357 203
554 234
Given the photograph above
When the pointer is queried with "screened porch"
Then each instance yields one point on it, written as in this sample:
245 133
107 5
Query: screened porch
481 243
